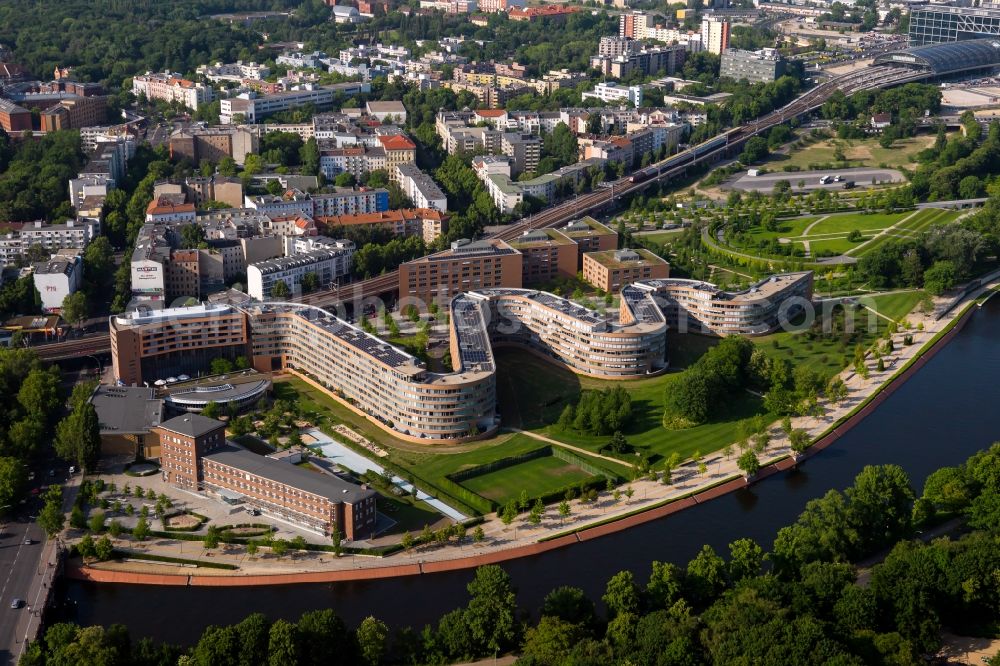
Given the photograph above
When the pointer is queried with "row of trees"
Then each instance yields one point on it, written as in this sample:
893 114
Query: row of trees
935 261
718 608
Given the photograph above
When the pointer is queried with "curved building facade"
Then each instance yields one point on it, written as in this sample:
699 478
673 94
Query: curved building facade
396 391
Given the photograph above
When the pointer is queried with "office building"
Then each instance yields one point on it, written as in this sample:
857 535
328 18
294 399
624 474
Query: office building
591 236
148 345
939 23
611 270
251 108
761 66
465 266
547 255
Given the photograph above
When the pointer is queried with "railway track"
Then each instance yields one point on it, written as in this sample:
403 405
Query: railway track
388 283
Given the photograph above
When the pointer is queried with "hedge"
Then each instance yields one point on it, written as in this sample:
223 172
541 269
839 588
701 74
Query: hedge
193 528
120 554
502 463
586 465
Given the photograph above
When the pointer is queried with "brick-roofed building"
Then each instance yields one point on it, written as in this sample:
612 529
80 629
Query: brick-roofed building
425 222
164 209
554 12
398 150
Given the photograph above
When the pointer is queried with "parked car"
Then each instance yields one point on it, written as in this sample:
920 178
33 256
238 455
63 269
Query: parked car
16 603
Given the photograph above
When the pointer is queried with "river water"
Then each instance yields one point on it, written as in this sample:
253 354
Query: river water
939 417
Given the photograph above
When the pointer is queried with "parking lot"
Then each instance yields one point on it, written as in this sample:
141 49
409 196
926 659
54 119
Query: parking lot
807 181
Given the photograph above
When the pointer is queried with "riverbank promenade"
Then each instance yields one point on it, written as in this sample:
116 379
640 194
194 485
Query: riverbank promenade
640 501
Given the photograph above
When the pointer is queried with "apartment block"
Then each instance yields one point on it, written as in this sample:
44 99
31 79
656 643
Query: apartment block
611 270
213 144
715 35
465 266
172 88
327 265
357 160
57 278
760 66
547 254
252 108
398 150
612 92
424 222
420 188
524 151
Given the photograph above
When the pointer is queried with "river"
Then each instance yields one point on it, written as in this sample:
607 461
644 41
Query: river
939 417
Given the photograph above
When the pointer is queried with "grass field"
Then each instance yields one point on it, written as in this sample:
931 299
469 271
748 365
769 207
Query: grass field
537 477
829 355
859 153
912 227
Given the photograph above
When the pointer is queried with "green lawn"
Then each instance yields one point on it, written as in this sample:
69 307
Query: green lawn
894 306
538 477
847 222
837 245
660 237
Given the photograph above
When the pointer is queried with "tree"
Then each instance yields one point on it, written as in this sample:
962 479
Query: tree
40 394
337 540
211 539
706 576
51 518
282 644
280 290
212 409
665 585
940 277
141 530
478 535
309 283
227 167
748 463
75 308
570 604
279 547
12 480
621 595
745 559
372 635
551 641
252 548
96 522
491 612
103 549
564 509
509 512
78 436
407 541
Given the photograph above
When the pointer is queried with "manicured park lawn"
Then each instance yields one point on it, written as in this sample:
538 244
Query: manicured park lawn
837 245
661 237
537 477
847 222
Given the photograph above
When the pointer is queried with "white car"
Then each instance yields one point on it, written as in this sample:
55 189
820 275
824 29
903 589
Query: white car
16 603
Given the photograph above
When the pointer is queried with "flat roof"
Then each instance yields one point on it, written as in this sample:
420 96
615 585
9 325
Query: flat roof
586 226
626 258
541 238
126 410
328 486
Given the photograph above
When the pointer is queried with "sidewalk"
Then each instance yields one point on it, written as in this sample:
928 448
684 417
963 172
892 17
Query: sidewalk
647 494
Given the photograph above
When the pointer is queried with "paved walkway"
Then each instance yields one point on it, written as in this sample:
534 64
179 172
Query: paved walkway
645 493
881 233
564 445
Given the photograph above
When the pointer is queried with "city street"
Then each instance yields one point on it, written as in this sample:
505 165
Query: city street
26 573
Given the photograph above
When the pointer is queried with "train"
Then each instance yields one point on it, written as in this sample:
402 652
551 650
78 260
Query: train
680 159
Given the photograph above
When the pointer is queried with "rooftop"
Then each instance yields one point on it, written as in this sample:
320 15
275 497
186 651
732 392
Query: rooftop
541 238
586 226
297 260
331 487
192 425
625 258
126 410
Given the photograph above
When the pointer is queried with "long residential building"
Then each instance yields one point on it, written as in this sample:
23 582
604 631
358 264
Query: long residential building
327 265
420 188
424 222
396 391
172 88
252 108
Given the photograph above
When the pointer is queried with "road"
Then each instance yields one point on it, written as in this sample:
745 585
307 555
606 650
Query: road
862 177
27 570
